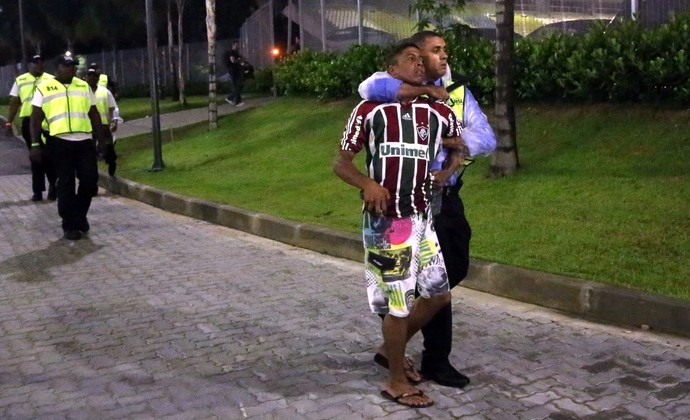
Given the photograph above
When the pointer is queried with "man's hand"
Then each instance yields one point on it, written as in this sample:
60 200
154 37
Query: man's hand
113 126
9 132
437 92
375 197
439 178
36 154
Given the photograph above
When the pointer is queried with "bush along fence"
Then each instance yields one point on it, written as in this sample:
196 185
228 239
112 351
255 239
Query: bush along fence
619 62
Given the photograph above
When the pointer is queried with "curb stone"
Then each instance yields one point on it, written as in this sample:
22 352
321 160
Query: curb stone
587 299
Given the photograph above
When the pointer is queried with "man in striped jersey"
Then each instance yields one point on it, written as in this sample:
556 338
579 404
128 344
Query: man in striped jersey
452 228
401 249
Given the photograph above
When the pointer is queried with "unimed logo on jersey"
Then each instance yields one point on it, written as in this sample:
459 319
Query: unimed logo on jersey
416 151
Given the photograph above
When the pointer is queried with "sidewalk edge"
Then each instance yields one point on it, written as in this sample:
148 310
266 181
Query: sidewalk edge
586 299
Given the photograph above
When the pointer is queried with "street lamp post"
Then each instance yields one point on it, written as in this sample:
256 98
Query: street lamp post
158 164
21 34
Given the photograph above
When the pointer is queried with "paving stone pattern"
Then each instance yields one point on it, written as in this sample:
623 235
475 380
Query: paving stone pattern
156 315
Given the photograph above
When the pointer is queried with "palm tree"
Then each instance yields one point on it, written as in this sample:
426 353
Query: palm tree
211 35
504 161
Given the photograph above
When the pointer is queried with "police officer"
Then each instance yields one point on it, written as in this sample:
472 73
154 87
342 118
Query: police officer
21 94
69 106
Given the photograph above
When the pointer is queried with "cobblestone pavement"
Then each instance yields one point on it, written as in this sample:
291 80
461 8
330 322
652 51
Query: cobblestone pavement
160 316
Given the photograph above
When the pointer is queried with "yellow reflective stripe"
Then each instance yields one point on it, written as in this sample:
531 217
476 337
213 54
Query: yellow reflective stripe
27 83
64 93
67 115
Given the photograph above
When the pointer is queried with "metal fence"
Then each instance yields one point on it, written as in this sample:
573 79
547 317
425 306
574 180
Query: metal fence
130 67
335 25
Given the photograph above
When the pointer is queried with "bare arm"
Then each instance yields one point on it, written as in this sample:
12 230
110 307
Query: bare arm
14 107
456 143
111 118
97 127
37 117
375 196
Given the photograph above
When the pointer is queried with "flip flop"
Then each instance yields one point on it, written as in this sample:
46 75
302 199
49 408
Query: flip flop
398 398
382 361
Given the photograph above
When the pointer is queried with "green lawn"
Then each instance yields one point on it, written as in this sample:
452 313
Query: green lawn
603 192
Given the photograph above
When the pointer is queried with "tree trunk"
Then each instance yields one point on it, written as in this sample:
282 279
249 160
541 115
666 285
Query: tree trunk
180 44
211 36
171 54
504 161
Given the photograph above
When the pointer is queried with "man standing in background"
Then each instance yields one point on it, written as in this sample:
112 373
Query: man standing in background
21 94
236 71
107 107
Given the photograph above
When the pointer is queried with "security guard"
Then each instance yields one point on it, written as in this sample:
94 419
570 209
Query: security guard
69 106
107 107
104 80
21 94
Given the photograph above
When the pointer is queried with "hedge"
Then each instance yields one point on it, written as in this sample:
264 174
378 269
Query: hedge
620 62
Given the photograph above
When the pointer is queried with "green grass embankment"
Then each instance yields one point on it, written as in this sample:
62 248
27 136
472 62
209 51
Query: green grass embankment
603 192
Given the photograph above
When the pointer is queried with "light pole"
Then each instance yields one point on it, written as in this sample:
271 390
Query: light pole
21 34
158 164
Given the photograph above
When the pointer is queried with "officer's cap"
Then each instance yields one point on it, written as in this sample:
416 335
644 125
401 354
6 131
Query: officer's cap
36 59
66 60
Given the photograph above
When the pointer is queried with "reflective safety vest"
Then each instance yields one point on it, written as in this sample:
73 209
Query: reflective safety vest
26 83
66 107
456 91
103 80
101 94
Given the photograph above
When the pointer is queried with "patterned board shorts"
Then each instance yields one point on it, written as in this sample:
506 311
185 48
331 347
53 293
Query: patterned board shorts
401 254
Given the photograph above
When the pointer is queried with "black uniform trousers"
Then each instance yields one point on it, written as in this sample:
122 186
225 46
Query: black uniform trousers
454 234
42 169
74 160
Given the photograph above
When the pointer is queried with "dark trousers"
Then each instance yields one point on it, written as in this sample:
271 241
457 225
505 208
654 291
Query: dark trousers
454 233
74 160
236 90
105 149
39 170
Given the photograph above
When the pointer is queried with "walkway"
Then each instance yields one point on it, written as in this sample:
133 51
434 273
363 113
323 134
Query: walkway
157 315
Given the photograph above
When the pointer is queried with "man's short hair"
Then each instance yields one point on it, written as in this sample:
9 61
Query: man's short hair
420 37
396 50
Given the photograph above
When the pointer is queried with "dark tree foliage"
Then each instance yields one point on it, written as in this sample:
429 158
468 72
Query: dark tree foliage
53 26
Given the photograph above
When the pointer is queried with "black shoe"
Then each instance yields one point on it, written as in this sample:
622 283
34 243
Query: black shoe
446 375
52 196
37 197
84 226
72 235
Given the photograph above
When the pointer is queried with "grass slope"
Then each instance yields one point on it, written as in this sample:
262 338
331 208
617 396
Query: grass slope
603 192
